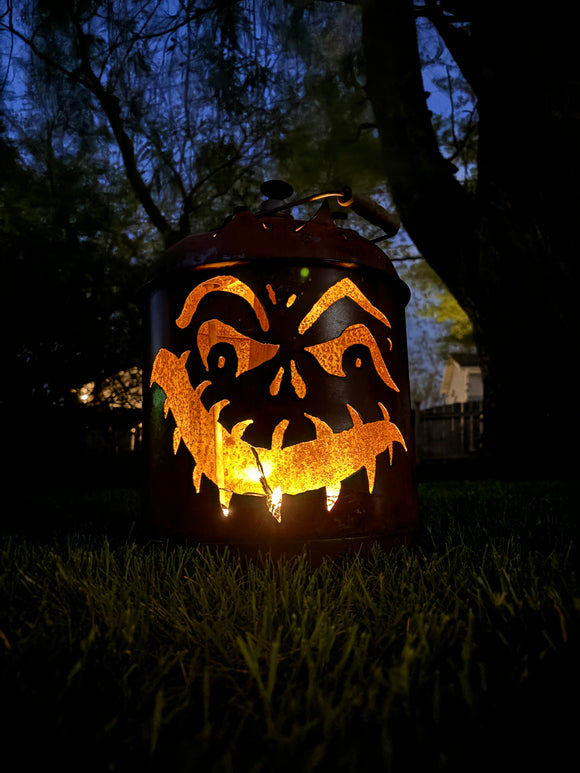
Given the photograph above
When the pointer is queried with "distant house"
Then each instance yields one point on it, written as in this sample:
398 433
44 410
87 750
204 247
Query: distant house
462 381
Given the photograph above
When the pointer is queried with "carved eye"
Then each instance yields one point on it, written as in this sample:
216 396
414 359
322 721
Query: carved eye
250 353
329 354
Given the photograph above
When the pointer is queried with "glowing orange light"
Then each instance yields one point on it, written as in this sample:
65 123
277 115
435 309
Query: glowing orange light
276 382
275 503
226 284
297 380
346 288
323 462
329 353
271 294
250 353
238 467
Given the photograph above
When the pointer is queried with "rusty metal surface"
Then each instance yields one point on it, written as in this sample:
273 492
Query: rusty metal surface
288 271
246 237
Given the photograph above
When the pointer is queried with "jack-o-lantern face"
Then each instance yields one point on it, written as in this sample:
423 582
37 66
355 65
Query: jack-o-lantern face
281 464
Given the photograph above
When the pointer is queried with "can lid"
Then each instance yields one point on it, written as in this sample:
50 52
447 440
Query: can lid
247 237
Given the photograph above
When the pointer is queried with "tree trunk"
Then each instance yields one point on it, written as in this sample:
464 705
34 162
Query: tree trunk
508 252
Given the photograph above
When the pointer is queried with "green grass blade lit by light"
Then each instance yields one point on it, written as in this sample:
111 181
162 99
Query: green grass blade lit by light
462 653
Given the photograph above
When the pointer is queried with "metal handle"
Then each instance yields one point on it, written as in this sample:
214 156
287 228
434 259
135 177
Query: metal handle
389 222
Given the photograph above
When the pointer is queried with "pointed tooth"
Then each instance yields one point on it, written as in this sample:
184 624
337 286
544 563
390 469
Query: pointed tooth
322 428
354 415
165 407
332 494
395 434
398 438
200 388
176 439
197 473
216 408
239 428
225 497
371 469
384 412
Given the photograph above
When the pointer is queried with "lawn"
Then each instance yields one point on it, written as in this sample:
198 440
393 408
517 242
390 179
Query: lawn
462 653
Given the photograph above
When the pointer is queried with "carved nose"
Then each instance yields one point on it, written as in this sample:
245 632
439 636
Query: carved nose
295 379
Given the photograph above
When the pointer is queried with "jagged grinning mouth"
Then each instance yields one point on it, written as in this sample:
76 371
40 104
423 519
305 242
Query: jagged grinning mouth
237 467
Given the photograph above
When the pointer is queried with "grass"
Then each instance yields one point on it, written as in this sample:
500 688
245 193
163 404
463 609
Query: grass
460 654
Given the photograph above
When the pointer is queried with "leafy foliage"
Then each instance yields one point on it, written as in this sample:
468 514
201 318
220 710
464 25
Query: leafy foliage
180 109
70 278
195 103
439 306
108 107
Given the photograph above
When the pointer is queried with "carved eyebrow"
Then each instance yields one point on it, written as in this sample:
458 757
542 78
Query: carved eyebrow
346 288
225 284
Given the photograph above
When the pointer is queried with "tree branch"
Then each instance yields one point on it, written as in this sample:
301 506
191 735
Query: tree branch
457 41
112 110
85 76
435 208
